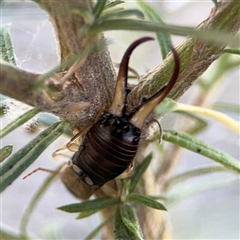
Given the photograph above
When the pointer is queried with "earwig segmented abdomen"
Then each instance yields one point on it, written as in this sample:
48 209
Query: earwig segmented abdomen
108 150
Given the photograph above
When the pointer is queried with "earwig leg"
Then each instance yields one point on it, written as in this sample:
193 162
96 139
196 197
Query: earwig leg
75 142
62 154
72 146
160 130
40 169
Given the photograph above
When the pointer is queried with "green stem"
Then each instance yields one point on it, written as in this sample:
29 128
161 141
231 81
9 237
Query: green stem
18 122
221 117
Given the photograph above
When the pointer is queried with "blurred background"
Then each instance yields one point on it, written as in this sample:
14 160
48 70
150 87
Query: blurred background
208 214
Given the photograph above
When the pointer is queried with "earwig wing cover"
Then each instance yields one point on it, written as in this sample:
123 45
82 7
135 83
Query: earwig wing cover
74 184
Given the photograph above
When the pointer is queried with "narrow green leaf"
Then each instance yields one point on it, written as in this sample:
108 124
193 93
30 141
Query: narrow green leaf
182 194
210 35
139 170
200 123
164 39
1 3
5 152
223 107
121 14
18 122
2 110
120 230
130 220
24 157
232 51
146 200
34 201
85 214
8 235
96 204
193 144
113 4
99 7
193 173
219 116
215 2
167 105
6 48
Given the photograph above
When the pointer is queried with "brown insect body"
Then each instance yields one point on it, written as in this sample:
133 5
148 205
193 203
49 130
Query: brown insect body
108 150
110 146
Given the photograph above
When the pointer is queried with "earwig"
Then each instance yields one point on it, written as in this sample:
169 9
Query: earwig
110 146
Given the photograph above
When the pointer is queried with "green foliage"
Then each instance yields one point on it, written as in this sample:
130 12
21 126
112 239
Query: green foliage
96 204
2 110
34 202
193 173
145 200
198 146
25 156
108 17
139 25
215 3
18 122
126 223
232 51
99 8
6 48
139 170
5 152
122 231
113 3
164 39
8 235
130 221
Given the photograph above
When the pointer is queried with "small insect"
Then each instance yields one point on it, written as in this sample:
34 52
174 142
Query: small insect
110 146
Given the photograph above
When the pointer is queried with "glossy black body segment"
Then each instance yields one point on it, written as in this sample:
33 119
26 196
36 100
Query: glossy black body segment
107 150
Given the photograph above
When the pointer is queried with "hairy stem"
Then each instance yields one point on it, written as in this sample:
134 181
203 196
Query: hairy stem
195 56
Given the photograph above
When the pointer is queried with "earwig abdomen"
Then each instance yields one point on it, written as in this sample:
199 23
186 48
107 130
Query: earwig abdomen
108 150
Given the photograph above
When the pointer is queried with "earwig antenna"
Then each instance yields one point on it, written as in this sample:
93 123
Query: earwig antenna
119 104
139 114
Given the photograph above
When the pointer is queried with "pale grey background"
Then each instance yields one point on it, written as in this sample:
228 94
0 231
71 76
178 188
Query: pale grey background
210 215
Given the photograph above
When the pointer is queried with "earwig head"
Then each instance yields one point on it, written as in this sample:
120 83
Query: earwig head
119 104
